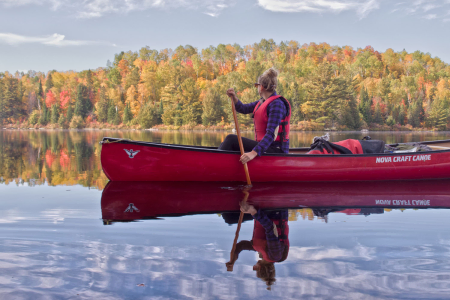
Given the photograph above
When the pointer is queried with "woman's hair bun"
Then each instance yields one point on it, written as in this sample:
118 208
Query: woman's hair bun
271 73
269 79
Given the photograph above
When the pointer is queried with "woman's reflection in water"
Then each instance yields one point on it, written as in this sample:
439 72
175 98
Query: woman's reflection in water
270 239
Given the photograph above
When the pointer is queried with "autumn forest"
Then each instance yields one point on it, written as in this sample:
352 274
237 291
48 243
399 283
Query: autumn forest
329 87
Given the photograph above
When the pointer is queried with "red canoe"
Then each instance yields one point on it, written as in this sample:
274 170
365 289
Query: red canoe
127 201
126 160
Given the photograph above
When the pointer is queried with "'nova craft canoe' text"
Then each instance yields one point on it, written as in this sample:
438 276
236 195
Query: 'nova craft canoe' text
126 160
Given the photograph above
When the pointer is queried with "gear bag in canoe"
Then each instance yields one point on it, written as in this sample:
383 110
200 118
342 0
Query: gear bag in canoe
321 145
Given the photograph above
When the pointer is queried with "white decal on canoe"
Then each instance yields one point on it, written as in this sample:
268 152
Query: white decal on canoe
403 158
404 202
131 153
383 202
131 208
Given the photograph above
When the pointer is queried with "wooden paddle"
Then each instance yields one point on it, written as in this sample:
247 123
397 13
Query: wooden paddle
241 146
233 249
249 183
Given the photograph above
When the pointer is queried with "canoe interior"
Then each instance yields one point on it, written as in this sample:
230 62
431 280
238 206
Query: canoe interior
439 145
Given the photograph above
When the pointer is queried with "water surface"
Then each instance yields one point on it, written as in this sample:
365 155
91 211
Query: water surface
60 240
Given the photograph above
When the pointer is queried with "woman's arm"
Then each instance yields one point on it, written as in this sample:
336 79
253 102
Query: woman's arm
242 245
277 112
241 107
245 108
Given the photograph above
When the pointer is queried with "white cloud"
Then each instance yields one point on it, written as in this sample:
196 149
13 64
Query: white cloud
54 4
430 16
51 40
429 7
423 8
98 8
362 8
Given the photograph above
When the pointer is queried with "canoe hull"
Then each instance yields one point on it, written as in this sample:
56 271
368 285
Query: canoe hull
140 161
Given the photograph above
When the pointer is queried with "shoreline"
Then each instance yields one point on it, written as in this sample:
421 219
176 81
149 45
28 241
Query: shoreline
210 130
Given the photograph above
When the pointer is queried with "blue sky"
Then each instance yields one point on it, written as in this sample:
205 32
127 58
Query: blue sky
42 35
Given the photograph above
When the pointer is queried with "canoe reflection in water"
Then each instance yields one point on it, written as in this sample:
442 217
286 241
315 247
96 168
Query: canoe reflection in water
129 201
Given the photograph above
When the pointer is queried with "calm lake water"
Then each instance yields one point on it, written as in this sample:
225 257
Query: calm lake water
63 235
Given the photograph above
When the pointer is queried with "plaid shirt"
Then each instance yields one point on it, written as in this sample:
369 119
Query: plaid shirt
277 112
274 246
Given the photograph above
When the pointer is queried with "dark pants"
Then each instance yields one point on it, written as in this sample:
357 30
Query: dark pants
231 143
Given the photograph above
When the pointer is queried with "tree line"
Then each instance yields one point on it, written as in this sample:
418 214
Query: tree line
328 87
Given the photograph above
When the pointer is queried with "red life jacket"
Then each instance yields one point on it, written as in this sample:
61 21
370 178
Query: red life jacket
259 237
261 119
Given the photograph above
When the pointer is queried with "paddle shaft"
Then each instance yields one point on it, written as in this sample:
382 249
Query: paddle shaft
241 217
241 146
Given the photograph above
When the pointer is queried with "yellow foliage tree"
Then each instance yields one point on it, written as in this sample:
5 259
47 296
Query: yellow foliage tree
132 100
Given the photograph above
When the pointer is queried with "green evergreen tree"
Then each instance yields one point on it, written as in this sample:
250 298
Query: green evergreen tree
390 121
43 117
83 104
189 94
48 82
160 112
325 94
351 117
438 115
54 114
40 91
111 114
377 115
69 113
127 115
178 119
169 115
34 118
62 121
48 117
148 115
414 114
365 105
114 76
116 119
212 108
103 106
11 104
401 115
89 80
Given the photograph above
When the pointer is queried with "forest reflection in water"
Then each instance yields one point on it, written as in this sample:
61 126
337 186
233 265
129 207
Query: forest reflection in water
57 157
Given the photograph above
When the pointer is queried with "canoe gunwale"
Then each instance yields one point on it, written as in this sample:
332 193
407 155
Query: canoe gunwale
216 151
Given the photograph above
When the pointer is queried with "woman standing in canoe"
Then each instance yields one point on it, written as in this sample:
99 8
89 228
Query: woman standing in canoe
271 114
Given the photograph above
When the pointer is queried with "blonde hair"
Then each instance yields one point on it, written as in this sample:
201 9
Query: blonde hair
269 80
266 273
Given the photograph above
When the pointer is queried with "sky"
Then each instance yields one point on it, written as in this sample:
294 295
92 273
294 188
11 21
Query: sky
43 35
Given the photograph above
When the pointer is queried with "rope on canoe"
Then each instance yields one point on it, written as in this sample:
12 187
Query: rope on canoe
109 142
